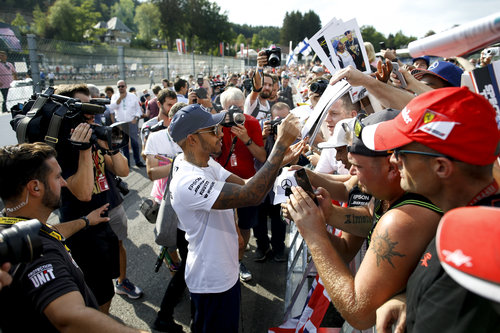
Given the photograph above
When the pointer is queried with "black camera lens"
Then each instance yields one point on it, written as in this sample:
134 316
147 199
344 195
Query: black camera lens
21 242
274 61
318 87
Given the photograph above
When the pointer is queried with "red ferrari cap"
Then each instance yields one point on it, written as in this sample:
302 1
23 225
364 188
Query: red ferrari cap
453 121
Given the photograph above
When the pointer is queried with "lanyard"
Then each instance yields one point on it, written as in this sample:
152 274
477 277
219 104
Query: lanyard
492 188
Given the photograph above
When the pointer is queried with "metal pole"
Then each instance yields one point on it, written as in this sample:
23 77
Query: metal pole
194 68
211 64
121 62
35 70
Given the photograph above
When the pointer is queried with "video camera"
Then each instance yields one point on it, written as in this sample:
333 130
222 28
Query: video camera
49 118
234 116
21 242
273 56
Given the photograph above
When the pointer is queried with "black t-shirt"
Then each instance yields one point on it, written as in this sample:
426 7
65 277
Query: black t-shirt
436 303
94 249
37 284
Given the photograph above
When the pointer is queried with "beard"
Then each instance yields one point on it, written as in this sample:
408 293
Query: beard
51 200
265 94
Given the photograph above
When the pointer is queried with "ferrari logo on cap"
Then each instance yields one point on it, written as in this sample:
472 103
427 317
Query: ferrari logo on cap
428 117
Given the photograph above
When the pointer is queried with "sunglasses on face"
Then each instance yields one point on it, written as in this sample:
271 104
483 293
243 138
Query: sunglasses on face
400 152
214 131
121 86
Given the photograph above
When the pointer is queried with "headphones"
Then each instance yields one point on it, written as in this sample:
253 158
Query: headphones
36 188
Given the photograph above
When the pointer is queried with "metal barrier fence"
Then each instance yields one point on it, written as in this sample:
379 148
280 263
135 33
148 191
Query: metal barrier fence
40 63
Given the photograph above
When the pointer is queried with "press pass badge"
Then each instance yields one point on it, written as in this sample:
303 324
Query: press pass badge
102 182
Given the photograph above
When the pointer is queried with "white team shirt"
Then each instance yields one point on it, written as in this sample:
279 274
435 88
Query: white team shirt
212 262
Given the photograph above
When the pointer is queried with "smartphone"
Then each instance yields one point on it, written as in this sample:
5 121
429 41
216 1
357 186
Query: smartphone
303 181
401 78
201 93
382 45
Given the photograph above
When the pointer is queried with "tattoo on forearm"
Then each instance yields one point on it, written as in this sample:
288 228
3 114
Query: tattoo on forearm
384 248
257 187
353 219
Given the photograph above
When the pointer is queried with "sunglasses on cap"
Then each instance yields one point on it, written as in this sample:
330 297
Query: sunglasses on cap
358 125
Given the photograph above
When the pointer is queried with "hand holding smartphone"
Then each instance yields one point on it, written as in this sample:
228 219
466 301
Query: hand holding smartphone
401 78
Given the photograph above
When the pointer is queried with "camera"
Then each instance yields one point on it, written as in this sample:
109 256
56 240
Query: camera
318 87
274 125
247 84
491 52
21 242
49 118
273 56
155 128
121 186
234 116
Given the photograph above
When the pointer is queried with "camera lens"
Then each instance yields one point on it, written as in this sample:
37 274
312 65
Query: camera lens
239 118
21 242
318 87
274 60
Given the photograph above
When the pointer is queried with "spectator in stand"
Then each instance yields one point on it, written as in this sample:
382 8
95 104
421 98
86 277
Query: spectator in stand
453 169
343 108
181 88
286 91
241 144
421 62
440 74
394 246
256 103
267 208
7 75
125 107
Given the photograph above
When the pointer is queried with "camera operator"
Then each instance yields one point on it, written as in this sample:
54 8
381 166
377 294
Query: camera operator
241 144
50 293
256 103
98 251
204 196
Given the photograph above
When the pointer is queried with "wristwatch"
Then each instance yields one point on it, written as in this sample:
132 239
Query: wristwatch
249 142
87 222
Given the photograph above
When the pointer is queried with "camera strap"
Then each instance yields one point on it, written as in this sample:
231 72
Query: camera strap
233 144
55 123
22 127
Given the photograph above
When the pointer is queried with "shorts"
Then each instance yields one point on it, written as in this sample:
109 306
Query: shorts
247 217
118 222
102 288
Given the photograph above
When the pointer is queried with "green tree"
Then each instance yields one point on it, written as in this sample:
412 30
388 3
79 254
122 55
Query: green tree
429 33
291 29
21 23
147 19
39 22
311 23
370 34
124 10
172 22
401 41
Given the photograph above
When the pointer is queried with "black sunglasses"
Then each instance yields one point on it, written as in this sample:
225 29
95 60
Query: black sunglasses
399 152
121 86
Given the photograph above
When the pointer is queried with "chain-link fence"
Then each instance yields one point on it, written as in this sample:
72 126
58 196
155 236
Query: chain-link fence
32 64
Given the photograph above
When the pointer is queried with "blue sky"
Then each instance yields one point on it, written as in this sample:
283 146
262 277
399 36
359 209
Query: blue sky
412 17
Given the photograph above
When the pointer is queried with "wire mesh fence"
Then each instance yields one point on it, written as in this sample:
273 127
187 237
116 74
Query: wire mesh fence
31 64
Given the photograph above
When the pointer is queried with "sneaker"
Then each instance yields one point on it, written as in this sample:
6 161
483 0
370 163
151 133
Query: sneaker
169 326
261 256
245 274
140 165
128 288
280 256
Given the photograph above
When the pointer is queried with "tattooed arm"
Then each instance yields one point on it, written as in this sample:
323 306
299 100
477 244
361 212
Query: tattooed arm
235 195
399 239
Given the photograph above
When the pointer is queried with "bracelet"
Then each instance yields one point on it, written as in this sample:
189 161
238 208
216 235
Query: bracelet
87 222
249 142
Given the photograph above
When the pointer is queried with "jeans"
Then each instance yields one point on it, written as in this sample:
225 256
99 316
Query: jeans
134 141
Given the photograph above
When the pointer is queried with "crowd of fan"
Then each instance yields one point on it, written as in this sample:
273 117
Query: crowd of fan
390 180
